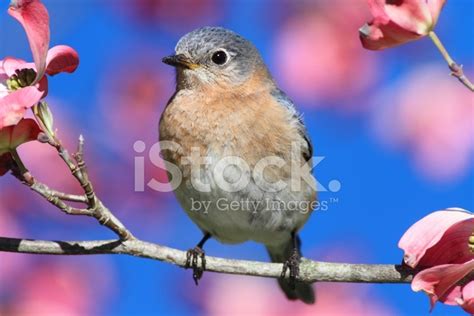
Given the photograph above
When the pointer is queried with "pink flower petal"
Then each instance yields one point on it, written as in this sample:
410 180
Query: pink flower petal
411 15
376 36
34 18
435 7
398 22
13 136
10 65
61 58
3 83
25 131
13 105
438 282
3 74
42 85
467 300
427 232
452 247
450 297
377 9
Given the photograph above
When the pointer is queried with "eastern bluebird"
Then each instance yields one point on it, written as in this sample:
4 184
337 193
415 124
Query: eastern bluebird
242 151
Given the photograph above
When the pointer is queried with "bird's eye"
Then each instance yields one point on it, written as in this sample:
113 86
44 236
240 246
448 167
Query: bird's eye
219 57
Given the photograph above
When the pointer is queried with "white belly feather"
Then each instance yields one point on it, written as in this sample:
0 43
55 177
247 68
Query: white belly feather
250 213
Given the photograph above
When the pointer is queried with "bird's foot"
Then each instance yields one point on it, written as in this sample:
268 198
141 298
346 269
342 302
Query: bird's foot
192 258
293 265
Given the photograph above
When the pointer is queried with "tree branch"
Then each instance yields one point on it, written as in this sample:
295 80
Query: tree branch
51 196
311 271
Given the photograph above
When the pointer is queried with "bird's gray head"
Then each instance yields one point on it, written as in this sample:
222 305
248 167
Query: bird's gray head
214 55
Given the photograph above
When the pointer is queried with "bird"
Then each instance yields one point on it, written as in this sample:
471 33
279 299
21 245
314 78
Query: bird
237 152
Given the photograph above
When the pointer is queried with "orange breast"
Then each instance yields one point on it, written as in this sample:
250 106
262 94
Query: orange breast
243 122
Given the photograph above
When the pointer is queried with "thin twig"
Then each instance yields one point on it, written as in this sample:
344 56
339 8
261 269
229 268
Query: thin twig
311 271
50 196
77 167
456 70
85 183
95 206
69 197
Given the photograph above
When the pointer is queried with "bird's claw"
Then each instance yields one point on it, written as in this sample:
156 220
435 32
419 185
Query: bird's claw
293 265
192 258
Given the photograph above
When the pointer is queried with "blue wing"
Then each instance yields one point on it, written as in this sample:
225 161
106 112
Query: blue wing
285 101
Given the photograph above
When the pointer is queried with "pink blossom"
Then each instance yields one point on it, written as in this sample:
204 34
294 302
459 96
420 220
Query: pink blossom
407 117
13 106
23 84
439 244
398 22
315 53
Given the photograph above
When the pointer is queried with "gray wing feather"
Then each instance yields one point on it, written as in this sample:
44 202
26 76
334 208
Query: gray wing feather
285 101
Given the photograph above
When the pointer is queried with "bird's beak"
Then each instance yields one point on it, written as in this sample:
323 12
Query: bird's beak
179 60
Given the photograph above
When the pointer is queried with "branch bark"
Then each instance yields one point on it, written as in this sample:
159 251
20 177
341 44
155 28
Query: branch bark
456 69
310 271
